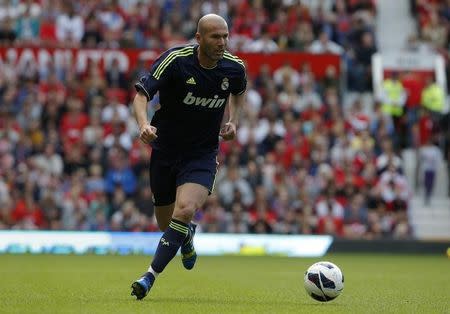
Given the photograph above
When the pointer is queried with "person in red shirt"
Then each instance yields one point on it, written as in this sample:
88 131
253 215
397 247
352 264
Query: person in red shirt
413 84
26 211
426 126
73 123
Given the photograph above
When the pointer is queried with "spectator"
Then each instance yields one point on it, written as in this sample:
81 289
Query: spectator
264 44
119 173
95 182
115 111
69 26
73 123
126 219
435 31
387 157
361 70
413 85
7 33
27 27
74 208
115 76
309 100
94 132
393 96
50 160
355 218
285 75
433 97
302 37
232 183
393 188
118 136
325 45
237 220
144 200
430 162
329 206
92 36
213 219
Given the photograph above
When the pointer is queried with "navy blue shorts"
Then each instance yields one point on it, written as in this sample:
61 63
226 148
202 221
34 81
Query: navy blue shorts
168 172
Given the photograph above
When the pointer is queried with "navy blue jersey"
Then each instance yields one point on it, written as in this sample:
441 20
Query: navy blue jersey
192 98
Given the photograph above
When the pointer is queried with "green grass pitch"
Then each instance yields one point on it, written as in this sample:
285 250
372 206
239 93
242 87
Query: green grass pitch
101 284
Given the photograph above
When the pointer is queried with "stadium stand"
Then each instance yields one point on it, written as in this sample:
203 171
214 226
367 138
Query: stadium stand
70 159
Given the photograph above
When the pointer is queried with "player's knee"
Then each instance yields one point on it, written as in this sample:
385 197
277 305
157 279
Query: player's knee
185 210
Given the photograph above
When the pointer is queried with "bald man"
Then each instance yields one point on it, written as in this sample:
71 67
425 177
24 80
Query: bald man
195 84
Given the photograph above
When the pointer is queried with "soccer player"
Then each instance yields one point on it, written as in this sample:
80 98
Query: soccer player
194 84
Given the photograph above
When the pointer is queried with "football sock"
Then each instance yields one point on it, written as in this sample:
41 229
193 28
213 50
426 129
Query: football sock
188 237
169 244
151 271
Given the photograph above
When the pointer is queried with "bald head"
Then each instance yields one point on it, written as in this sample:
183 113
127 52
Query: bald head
212 38
210 21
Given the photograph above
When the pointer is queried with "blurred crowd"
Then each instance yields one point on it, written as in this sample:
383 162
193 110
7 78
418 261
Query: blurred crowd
342 27
433 22
433 36
70 159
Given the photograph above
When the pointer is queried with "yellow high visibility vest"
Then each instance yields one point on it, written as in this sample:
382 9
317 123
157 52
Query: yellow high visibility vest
394 91
433 98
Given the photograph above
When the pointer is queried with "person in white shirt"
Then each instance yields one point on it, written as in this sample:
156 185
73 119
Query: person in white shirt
430 159
264 44
69 26
325 45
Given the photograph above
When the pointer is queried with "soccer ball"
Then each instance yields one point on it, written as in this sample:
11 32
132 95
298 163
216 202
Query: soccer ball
324 281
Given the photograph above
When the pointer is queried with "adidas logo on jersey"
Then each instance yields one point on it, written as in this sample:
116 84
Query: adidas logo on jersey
215 102
191 81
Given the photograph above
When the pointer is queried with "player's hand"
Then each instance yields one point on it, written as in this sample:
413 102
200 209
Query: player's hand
147 133
228 131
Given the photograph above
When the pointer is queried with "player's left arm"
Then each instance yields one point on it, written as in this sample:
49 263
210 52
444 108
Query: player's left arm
228 131
237 101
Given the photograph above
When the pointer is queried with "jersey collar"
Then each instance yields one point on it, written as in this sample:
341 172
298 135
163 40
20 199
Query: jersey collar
198 62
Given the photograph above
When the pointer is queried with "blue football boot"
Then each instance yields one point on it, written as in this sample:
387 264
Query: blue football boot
141 287
188 254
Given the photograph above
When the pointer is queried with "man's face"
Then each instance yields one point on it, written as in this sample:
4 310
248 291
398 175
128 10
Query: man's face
213 41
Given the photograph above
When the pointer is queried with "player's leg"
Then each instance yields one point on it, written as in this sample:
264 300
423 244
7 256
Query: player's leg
201 171
188 254
163 184
195 179
190 196
163 215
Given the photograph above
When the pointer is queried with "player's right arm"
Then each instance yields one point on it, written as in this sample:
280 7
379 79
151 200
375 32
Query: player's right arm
146 88
147 132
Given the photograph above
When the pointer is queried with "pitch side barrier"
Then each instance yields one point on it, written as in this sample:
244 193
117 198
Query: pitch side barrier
213 244
390 246
126 243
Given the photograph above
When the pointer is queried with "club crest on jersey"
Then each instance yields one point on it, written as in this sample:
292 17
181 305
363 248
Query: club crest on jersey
225 84
215 102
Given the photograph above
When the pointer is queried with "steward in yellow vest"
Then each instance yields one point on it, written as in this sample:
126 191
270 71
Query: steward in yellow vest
394 97
433 97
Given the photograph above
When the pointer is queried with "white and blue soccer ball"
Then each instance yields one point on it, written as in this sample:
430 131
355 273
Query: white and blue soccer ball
324 281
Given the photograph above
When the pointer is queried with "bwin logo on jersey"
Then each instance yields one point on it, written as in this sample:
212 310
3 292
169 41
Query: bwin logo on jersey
215 102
